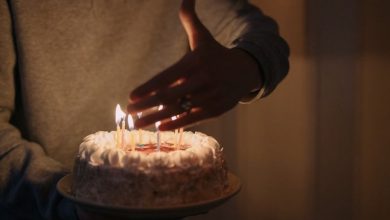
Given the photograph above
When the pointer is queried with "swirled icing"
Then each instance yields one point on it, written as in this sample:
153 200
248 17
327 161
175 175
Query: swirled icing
100 149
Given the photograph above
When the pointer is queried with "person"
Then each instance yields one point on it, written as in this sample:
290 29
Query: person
65 64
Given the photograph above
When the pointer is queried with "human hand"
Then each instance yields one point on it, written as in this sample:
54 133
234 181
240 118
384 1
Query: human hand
204 83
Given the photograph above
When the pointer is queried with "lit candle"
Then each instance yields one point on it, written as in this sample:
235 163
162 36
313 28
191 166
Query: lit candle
119 116
157 124
175 135
117 135
180 137
130 123
139 115
158 135
123 131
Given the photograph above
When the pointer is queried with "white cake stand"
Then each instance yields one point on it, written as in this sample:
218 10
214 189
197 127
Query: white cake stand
97 211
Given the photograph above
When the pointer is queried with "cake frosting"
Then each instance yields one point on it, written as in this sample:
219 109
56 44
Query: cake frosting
148 177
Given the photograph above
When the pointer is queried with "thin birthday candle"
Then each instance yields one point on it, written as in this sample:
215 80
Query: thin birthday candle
139 115
180 136
123 131
117 135
118 118
130 123
157 124
158 135
175 134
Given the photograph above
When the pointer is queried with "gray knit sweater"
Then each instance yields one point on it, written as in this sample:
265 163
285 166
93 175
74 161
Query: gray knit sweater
65 64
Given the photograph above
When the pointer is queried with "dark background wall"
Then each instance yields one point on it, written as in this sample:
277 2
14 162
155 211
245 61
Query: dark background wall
319 146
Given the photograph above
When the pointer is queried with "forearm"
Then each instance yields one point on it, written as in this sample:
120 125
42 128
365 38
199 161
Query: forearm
240 24
27 177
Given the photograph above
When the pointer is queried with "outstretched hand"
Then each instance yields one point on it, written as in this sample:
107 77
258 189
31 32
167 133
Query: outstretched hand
206 82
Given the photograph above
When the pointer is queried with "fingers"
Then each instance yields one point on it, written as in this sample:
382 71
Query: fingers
163 79
197 33
195 116
204 102
165 113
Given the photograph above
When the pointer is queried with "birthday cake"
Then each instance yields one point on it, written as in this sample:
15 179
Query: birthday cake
141 174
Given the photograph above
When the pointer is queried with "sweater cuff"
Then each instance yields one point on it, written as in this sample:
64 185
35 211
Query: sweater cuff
264 69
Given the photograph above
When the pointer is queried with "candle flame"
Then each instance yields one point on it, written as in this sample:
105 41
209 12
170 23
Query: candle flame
174 118
157 124
130 122
119 114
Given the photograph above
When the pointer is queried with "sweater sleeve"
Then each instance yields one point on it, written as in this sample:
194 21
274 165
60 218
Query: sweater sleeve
27 175
237 23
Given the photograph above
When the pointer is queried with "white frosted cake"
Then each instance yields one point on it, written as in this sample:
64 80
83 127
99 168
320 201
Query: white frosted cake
143 176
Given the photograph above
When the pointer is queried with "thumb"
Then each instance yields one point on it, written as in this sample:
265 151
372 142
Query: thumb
197 33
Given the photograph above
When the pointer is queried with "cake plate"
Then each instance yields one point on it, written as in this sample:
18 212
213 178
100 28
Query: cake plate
97 211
